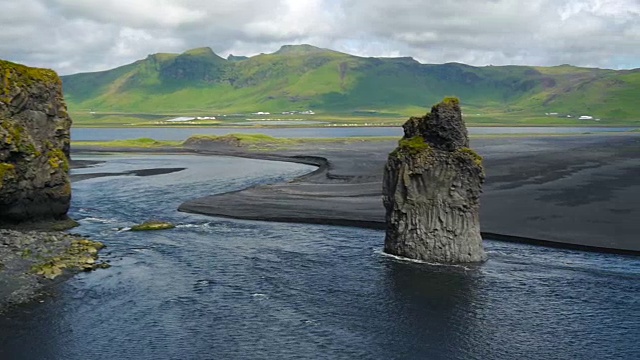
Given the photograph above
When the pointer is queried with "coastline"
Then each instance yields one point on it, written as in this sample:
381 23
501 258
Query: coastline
101 125
527 194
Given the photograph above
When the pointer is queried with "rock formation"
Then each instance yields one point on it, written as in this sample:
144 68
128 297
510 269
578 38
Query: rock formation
34 145
431 189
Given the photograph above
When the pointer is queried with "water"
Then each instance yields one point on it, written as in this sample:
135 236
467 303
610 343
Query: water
227 289
106 134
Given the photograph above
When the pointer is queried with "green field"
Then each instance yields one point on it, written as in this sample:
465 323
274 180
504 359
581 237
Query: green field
261 142
345 90
245 140
142 143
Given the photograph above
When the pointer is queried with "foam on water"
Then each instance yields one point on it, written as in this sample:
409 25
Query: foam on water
380 251
207 225
99 220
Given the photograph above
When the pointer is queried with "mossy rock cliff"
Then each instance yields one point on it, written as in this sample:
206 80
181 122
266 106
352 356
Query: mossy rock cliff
34 145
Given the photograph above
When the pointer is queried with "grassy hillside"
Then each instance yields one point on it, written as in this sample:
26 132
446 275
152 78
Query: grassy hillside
341 86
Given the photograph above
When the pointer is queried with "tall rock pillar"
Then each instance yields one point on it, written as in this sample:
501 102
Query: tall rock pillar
431 190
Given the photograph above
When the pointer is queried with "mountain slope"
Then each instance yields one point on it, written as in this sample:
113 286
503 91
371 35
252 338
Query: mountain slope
304 77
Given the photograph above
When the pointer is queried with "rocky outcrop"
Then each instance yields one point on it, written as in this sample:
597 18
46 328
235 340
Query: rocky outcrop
29 260
431 189
34 145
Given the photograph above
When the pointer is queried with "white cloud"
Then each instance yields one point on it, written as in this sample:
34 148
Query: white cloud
537 32
136 13
293 19
88 35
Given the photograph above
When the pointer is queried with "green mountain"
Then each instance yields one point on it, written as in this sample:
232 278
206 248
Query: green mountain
303 77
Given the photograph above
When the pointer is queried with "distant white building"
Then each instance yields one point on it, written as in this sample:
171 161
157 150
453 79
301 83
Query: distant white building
585 117
261 113
181 119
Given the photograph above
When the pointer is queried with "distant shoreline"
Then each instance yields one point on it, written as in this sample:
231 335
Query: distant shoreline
280 126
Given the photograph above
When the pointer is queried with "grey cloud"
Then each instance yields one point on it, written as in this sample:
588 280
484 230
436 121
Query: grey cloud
538 32
72 36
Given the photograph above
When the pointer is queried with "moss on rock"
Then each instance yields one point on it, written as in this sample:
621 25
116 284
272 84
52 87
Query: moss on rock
16 76
411 146
81 255
468 152
6 171
414 144
12 132
239 140
57 159
451 101
153 225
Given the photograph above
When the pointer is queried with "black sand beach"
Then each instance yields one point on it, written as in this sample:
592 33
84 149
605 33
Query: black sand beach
570 191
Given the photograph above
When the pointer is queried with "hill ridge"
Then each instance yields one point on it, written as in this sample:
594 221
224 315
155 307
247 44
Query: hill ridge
302 77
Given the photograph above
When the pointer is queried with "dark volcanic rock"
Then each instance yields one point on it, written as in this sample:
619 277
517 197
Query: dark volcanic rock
431 190
443 128
34 145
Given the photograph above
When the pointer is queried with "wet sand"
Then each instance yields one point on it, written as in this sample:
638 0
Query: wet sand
570 191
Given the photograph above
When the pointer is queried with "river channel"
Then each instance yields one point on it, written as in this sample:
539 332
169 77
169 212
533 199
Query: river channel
217 288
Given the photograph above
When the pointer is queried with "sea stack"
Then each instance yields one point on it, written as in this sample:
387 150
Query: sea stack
34 145
431 190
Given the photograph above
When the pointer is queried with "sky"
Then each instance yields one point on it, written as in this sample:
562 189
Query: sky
73 36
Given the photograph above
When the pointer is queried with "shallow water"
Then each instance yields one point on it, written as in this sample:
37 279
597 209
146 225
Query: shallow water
177 134
231 289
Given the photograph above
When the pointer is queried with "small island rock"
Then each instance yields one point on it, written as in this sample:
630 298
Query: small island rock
153 225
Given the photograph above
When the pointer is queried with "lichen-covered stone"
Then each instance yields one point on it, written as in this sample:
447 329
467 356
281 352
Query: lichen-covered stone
431 190
34 145
81 254
153 225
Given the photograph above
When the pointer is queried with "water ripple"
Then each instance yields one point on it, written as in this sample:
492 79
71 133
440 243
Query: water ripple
220 288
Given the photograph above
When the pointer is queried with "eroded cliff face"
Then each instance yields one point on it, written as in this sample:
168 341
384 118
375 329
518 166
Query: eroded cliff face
431 190
34 145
